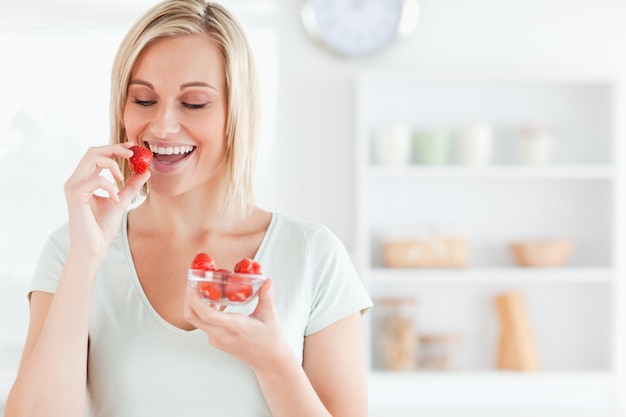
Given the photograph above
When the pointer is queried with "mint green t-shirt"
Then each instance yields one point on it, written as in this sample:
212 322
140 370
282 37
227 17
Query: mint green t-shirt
141 365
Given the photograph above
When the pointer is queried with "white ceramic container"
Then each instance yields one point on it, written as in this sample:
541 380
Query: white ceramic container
392 145
535 144
474 145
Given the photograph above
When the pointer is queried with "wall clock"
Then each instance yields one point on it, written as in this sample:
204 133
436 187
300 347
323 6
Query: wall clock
358 27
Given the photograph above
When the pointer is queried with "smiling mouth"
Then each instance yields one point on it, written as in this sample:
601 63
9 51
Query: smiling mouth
170 154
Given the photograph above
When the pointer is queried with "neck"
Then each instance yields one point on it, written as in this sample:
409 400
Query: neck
191 213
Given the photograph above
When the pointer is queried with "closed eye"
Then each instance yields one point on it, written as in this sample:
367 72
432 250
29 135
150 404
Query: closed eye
195 106
144 103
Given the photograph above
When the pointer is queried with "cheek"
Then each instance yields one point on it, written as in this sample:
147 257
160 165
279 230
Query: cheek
213 131
131 123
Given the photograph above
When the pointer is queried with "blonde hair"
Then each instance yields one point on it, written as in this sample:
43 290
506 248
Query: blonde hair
172 18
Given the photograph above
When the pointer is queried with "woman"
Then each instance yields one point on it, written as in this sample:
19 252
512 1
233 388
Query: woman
115 329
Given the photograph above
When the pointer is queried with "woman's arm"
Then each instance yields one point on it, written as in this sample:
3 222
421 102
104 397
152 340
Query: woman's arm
53 371
330 382
52 377
334 361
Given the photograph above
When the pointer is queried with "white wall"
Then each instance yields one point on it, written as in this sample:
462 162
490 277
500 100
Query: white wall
315 103
316 107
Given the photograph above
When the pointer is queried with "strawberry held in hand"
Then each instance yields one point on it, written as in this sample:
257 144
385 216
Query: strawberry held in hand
141 159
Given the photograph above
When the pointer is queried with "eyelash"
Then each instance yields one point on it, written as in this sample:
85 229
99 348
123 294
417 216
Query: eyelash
144 103
147 103
195 106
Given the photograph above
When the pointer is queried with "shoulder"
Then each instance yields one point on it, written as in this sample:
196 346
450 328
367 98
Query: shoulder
306 232
297 227
313 246
51 260
59 239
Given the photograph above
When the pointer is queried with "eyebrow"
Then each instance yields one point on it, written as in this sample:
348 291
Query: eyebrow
182 86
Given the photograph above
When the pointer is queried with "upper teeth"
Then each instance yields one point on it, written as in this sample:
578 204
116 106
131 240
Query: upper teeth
174 150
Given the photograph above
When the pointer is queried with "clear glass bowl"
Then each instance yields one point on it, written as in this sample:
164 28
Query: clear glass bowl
225 288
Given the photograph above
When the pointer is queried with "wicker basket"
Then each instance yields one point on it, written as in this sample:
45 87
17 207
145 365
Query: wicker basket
439 252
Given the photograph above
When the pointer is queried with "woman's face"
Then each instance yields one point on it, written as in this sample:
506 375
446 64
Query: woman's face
176 106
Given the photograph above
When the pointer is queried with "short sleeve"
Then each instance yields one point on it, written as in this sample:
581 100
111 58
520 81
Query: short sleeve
51 261
337 289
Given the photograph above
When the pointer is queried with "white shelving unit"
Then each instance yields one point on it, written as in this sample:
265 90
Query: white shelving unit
574 310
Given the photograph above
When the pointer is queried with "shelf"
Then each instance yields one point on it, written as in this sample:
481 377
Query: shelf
572 389
511 275
573 309
503 172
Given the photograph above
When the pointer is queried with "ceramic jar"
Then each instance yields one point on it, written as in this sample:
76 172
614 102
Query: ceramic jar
432 147
535 144
474 145
392 145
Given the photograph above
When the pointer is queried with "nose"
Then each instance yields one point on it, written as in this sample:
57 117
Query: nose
164 122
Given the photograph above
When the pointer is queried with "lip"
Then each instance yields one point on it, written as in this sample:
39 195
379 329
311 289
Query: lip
167 167
148 143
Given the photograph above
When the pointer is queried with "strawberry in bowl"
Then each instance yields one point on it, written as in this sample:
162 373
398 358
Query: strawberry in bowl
223 287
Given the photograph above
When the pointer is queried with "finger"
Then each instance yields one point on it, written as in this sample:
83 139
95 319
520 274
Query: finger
265 307
109 187
84 190
111 151
189 313
104 162
195 310
200 311
191 298
116 172
120 149
132 187
98 158
188 294
266 292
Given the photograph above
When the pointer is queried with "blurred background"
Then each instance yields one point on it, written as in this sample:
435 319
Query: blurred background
492 124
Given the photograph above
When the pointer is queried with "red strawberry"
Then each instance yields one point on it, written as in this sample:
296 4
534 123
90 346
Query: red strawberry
248 266
211 290
236 288
203 261
141 159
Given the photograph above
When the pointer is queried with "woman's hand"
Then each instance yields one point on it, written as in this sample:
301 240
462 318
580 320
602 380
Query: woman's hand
94 220
257 339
